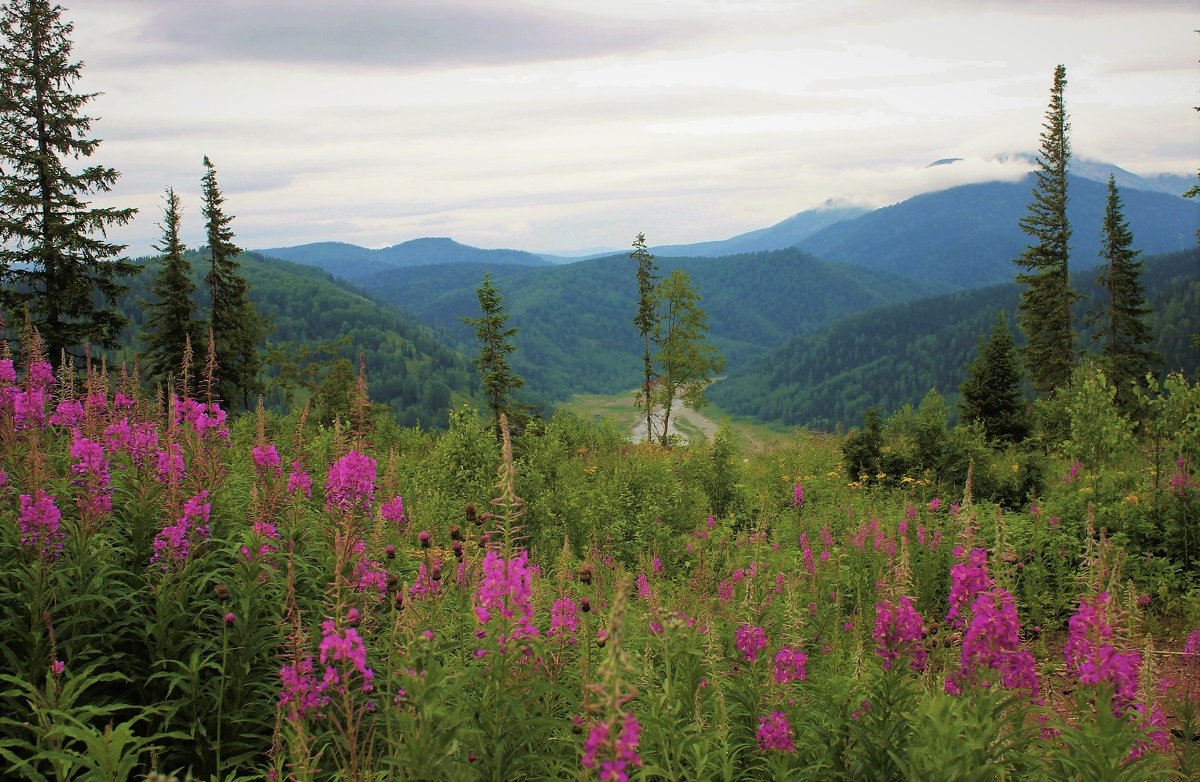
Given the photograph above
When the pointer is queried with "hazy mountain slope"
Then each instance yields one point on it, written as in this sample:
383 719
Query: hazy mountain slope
784 234
894 355
968 236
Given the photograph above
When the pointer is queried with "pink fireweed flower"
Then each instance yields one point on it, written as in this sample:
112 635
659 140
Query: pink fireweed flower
345 647
967 580
790 665
992 643
299 481
69 413
171 466
1091 655
40 523
8 371
505 588
117 436
1191 647
392 512
934 504
122 401
266 459
92 467
564 619
303 693
41 375
29 408
350 484
644 591
899 632
265 536
173 544
656 566
797 496
775 732
750 641
143 443
609 756
371 576
807 555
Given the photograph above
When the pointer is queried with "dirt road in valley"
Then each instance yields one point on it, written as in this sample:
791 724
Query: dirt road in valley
678 412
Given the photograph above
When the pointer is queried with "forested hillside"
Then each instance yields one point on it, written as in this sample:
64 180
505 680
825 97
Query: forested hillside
575 322
892 356
408 368
968 236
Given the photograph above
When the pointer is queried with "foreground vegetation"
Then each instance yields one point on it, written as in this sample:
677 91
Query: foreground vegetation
186 593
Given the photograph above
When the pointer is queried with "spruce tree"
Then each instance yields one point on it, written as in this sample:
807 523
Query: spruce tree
647 321
1045 310
499 380
1121 325
170 319
233 322
55 258
991 392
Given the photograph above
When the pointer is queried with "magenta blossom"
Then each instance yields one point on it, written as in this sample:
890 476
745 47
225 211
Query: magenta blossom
790 665
751 640
775 732
350 484
40 523
899 633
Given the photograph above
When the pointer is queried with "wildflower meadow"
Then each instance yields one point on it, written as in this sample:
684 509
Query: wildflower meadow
186 594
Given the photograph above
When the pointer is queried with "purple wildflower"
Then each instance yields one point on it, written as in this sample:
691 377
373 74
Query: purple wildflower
41 530
899 631
505 587
751 639
775 732
790 665
350 484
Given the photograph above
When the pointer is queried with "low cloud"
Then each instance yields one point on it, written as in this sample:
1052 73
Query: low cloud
378 33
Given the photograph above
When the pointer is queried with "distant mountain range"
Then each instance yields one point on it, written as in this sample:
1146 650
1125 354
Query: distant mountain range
782 235
351 262
965 236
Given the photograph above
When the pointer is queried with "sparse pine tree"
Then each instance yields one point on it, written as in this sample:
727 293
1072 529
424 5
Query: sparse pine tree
686 362
991 392
1046 300
170 318
1121 326
499 380
646 320
55 258
235 326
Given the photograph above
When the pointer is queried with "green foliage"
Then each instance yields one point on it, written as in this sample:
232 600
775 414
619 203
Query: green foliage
55 258
686 362
891 356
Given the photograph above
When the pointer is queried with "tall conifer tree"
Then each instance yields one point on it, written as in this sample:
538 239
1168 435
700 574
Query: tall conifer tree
235 326
171 317
54 255
647 322
499 380
1121 325
1046 300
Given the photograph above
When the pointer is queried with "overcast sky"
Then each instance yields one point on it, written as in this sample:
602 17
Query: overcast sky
557 125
